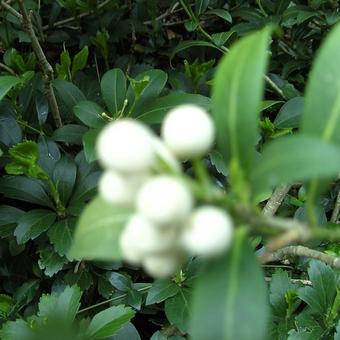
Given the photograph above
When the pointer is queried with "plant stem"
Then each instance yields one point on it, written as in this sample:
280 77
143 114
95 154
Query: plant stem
304 251
116 298
25 19
336 211
275 200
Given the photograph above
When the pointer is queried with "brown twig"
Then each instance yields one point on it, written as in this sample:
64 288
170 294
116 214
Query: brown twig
75 18
7 69
275 200
336 211
285 252
45 66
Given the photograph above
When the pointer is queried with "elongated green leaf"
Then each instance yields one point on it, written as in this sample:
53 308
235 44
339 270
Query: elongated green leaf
295 158
161 290
80 60
230 297
236 97
33 223
68 95
98 230
222 13
10 131
7 83
25 189
113 86
290 113
201 6
64 176
70 133
177 309
90 114
157 109
109 321
188 44
321 116
89 143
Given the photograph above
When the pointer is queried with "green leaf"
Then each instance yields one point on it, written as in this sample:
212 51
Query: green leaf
80 60
68 94
160 291
109 321
71 134
222 13
90 114
221 38
283 294
6 304
157 109
321 294
290 113
61 235
177 309
89 143
128 332
113 86
15 330
119 281
25 153
236 97
86 187
230 296
64 176
9 217
7 83
305 160
50 261
63 306
201 6
322 94
32 224
25 189
153 88
10 131
98 230
184 45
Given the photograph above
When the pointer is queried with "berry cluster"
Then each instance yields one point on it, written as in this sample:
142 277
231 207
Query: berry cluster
143 172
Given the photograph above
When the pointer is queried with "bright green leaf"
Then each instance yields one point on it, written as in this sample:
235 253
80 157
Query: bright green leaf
98 230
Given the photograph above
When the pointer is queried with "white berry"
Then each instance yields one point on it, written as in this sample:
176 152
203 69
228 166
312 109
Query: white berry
129 242
120 190
188 131
126 146
208 232
161 265
165 200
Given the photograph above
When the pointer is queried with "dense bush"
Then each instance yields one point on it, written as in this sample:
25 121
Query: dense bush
263 203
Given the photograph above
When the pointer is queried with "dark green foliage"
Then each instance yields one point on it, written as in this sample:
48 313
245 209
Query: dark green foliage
139 59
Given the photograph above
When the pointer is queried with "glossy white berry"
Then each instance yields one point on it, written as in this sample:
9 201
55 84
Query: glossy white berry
129 242
120 190
161 265
208 232
126 146
188 131
164 200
